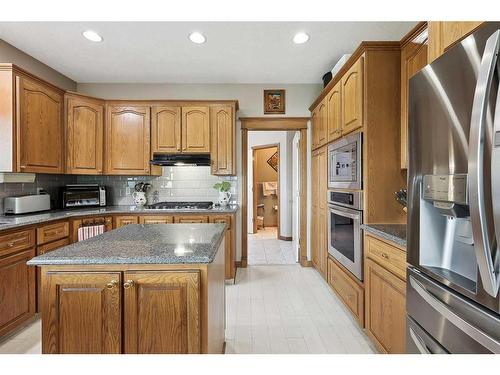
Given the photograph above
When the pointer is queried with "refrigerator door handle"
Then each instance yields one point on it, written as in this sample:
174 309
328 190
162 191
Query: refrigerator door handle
419 343
483 247
473 332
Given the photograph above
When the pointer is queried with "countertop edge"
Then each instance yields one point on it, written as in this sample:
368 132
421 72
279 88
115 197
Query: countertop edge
384 235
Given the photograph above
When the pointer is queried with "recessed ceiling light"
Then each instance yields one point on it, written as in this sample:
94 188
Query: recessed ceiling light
197 38
300 38
92 36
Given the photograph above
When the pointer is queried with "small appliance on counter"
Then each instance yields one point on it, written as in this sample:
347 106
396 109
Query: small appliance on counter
26 204
83 195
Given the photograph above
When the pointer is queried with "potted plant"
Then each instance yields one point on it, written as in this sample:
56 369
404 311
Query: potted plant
224 194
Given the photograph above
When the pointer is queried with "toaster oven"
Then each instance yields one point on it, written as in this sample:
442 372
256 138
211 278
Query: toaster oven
80 195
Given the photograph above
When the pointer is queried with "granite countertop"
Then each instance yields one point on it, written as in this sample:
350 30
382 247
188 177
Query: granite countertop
14 221
391 232
142 244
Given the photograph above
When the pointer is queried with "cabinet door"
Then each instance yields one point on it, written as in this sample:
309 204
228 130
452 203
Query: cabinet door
413 58
444 34
40 128
352 98
127 140
334 117
84 136
17 290
195 130
322 124
385 308
156 219
166 129
162 312
191 219
229 248
314 128
315 209
82 313
222 136
120 221
322 211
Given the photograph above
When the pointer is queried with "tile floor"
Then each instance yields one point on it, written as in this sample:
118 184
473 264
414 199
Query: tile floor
265 248
270 309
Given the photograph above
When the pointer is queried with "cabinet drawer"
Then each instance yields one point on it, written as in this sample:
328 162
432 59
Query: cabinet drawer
156 219
42 249
52 232
389 257
120 221
12 242
220 219
347 289
191 219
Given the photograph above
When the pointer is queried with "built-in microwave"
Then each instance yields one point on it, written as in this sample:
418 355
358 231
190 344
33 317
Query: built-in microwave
345 163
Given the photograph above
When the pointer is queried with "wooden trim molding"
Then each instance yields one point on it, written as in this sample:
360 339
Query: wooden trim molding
274 123
419 27
284 238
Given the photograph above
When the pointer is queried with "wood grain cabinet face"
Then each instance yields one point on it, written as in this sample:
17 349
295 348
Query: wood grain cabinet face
128 140
191 219
166 129
15 241
334 108
385 308
17 290
162 312
314 128
222 138
84 136
444 34
195 129
322 124
120 221
352 97
52 232
40 128
83 313
156 219
319 211
230 269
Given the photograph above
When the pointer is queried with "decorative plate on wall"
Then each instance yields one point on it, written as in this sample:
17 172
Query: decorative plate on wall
273 161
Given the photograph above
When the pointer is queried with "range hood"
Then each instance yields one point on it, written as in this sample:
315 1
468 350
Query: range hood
170 160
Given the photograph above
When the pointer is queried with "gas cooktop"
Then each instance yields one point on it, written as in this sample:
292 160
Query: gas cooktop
180 206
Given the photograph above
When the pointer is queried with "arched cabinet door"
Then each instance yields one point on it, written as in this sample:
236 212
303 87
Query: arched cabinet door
352 97
222 138
195 130
166 129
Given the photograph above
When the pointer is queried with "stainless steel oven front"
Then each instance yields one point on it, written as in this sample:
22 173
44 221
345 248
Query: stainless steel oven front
345 163
345 240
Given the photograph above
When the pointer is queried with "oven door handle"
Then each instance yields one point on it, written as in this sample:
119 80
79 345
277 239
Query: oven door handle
353 214
419 342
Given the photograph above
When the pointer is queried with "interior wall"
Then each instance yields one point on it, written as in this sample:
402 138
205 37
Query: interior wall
263 172
10 54
250 96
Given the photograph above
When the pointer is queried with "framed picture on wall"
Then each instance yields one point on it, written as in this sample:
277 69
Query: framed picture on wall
273 161
274 102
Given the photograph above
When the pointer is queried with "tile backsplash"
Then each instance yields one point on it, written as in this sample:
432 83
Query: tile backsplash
175 184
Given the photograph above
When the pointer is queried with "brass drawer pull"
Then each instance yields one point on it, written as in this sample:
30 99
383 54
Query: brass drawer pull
128 284
112 284
384 255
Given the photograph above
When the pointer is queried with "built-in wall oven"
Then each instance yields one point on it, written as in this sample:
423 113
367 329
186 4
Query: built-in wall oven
345 163
345 240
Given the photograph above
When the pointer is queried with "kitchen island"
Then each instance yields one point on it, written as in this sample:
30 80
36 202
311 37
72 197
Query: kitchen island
155 288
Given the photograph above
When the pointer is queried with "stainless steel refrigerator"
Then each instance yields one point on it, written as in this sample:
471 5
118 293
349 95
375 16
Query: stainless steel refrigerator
453 302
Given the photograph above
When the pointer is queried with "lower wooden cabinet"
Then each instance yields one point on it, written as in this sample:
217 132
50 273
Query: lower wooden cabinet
385 320
230 247
156 219
120 221
191 219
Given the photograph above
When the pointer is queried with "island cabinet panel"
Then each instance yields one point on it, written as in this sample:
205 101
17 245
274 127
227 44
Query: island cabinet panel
17 290
191 219
229 244
166 129
120 221
195 130
82 314
162 312
156 219
127 136
222 137
352 97
84 135
40 128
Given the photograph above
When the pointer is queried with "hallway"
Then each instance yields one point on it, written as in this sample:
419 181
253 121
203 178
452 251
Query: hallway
265 248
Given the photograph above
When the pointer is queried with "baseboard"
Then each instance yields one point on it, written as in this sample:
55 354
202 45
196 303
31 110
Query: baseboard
284 238
306 263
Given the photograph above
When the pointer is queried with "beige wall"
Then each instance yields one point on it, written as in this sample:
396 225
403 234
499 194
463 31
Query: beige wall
263 172
10 54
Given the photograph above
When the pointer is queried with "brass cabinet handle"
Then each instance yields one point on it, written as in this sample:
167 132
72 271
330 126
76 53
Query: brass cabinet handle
128 284
112 284
384 255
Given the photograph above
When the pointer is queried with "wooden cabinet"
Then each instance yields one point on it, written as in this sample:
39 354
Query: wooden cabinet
52 232
85 310
385 308
122 220
445 34
75 224
414 51
347 288
195 219
39 127
390 257
162 312
352 97
127 140
222 137
84 135
319 125
195 130
166 129
319 211
156 219
13 242
230 247
334 117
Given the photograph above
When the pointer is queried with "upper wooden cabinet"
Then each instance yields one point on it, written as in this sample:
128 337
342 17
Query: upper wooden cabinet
444 34
414 50
222 138
127 140
334 108
40 127
195 129
84 135
352 97
320 125
166 129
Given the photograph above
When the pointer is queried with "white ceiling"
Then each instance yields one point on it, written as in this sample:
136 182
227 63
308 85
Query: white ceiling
235 52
